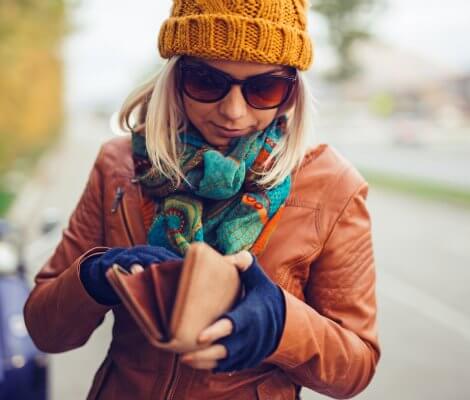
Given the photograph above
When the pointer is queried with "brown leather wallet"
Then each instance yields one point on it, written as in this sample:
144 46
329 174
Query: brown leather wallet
173 301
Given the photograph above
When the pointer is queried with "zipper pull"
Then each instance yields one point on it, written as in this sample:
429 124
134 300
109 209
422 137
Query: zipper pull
117 199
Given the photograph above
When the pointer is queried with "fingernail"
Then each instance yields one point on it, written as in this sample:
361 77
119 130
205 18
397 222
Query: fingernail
135 269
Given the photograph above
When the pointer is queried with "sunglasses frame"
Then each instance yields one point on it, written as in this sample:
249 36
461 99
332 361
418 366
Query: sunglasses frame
185 65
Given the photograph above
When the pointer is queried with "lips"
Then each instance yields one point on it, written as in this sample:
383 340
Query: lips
229 132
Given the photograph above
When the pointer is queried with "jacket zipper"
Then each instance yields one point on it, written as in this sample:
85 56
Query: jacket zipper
170 393
117 204
117 199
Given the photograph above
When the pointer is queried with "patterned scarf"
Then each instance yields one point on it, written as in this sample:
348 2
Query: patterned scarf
222 205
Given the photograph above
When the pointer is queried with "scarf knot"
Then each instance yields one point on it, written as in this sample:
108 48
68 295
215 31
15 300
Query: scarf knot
220 202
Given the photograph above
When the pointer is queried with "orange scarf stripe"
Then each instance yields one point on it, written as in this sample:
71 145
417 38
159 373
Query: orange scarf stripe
262 240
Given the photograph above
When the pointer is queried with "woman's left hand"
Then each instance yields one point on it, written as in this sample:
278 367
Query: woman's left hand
243 337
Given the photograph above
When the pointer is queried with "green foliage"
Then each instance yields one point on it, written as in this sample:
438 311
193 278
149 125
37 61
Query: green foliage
33 21
31 82
6 199
424 189
346 26
382 104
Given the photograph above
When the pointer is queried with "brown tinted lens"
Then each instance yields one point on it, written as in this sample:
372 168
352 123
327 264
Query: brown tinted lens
203 84
267 91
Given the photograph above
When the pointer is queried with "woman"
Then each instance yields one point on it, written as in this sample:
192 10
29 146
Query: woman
218 154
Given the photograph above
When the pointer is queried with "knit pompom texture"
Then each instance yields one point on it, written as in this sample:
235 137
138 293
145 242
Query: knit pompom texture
263 31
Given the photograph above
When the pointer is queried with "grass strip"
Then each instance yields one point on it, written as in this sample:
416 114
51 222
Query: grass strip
418 187
6 199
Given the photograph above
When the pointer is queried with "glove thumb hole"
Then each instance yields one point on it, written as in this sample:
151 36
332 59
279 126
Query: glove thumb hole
242 260
253 276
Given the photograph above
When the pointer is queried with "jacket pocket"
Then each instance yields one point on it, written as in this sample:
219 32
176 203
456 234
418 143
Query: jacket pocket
100 379
277 387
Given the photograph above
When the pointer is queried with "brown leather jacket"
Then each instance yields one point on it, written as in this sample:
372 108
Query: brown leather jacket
321 255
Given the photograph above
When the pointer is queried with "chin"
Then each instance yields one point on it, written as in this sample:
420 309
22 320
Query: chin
220 143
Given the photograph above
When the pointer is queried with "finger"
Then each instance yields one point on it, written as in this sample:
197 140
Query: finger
212 353
203 364
221 328
136 268
242 259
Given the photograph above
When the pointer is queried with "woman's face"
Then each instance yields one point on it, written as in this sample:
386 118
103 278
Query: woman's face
231 116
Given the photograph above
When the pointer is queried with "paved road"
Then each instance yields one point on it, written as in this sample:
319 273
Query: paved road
443 164
422 256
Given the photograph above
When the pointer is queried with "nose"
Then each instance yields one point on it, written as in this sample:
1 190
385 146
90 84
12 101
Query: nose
233 106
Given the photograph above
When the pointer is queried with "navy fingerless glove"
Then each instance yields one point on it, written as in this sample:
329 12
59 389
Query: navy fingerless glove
258 321
93 269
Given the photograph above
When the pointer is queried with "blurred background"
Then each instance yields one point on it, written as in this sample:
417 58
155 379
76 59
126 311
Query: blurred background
391 79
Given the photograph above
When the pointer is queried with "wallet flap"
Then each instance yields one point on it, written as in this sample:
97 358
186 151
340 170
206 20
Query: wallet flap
209 286
136 292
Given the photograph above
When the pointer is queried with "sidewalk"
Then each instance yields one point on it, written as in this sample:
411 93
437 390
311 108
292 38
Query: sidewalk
58 183
61 174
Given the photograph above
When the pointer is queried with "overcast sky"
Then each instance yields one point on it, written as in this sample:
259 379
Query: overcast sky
438 29
115 41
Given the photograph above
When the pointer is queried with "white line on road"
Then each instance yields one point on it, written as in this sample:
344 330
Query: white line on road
425 304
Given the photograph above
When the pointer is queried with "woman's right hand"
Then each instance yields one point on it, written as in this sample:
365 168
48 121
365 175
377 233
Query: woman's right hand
134 259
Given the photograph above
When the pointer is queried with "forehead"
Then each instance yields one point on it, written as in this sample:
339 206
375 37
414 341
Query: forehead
241 69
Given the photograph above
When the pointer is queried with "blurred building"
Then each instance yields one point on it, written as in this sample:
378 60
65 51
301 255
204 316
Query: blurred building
460 87
414 84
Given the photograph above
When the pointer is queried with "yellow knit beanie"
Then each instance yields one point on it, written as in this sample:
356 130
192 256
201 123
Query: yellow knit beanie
264 31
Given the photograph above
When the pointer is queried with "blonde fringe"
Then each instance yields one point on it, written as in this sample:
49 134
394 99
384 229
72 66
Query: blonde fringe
160 114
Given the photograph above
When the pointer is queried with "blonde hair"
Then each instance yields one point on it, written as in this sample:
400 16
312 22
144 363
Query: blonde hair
160 114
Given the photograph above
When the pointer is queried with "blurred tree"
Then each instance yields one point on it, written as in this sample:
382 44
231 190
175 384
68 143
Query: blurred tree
30 78
346 25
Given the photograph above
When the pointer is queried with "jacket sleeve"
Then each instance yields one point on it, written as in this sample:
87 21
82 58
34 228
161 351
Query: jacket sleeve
59 313
330 343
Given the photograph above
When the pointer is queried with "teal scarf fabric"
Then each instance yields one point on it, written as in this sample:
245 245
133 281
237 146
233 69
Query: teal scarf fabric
221 204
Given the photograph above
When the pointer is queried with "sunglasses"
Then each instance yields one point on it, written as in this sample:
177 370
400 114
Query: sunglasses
206 84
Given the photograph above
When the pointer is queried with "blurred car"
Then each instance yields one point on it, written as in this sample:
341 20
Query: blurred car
23 368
